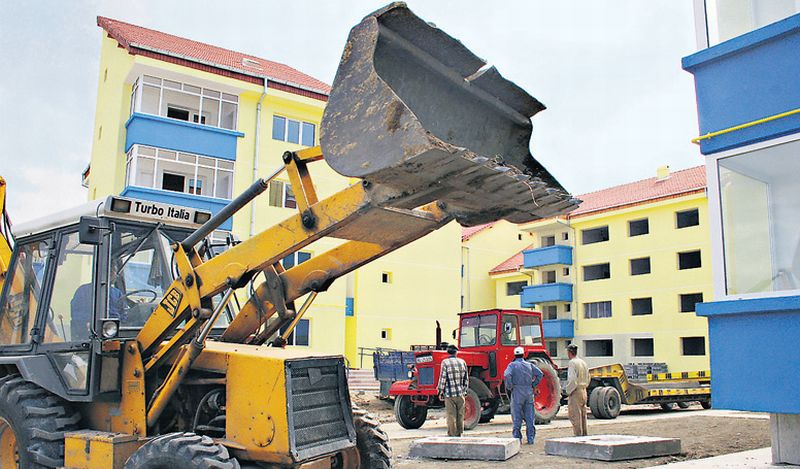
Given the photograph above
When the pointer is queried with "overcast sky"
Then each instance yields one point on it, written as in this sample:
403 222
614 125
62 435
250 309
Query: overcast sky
619 104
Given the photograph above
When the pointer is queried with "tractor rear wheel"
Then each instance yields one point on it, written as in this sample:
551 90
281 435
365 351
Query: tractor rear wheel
32 425
547 403
181 450
472 410
409 415
373 443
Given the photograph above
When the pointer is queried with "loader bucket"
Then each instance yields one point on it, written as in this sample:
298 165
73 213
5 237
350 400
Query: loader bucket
413 110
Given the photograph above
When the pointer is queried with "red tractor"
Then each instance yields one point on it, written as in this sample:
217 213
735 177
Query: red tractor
486 341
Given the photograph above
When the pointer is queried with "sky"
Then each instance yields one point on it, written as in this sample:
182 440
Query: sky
618 103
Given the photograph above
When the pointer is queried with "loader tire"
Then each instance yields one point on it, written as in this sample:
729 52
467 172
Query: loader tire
547 404
181 450
667 406
32 425
610 402
683 405
372 442
594 403
706 404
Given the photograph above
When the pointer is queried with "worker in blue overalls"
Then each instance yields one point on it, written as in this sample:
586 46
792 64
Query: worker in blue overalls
521 378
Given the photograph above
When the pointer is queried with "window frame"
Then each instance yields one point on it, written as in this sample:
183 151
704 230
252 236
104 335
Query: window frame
596 278
694 308
586 348
520 283
684 212
633 307
649 266
683 347
639 220
301 130
699 255
652 345
597 228
590 315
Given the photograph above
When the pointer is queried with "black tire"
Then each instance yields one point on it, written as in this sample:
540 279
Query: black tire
594 403
683 405
610 402
705 404
667 406
184 450
38 420
545 414
373 443
409 415
490 407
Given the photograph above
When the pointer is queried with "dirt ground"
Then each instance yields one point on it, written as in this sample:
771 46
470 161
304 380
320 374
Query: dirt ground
701 436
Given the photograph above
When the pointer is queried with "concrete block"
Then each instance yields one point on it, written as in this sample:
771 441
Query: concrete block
612 447
785 436
465 447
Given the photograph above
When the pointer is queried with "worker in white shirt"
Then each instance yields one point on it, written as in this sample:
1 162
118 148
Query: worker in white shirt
577 381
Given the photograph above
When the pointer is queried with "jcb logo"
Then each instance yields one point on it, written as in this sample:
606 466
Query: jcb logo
171 301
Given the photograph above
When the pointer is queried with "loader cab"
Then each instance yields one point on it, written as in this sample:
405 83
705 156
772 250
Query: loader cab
83 278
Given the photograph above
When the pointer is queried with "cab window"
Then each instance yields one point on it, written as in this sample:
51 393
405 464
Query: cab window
23 292
509 328
478 330
531 330
71 310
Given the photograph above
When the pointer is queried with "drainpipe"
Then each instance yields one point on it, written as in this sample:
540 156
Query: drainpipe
255 154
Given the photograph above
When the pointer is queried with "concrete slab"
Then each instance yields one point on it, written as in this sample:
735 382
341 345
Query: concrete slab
612 447
752 459
465 447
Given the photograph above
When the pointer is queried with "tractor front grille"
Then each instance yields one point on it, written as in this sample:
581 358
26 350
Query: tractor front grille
318 406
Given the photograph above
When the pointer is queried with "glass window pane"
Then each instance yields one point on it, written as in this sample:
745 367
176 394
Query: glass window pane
509 330
211 112
72 305
303 256
149 151
478 330
230 97
301 332
191 88
204 183
210 162
222 164
187 158
212 93
172 84
179 105
224 184
167 155
308 134
288 261
276 194
293 132
150 99
18 311
152 80
290 201
530 330
278 128
144 172
228 119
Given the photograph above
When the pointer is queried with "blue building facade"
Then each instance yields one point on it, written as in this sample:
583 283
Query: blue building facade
748 103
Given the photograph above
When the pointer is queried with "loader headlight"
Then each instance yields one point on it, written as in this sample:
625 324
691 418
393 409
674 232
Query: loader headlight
110 328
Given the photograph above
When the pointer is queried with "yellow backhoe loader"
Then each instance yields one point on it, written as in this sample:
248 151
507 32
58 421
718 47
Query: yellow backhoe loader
121 342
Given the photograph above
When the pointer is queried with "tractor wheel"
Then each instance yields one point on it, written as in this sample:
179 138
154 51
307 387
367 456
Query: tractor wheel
32 425
610 402
668 406
594 403
548 402
683 405
409 415
489 409
472 410
706 404
373 443
184 450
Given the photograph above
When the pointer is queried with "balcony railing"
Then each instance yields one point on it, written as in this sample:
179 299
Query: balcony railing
559 328
537 294
174 134
551 255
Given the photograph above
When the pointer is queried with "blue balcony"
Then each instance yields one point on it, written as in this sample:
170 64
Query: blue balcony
749 77
536 294
178 135
559 328
179 198
550 255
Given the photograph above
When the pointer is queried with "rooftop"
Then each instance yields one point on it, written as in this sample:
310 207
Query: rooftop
512 264
468 232
143 41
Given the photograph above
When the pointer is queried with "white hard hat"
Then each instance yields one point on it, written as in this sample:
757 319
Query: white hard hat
519 351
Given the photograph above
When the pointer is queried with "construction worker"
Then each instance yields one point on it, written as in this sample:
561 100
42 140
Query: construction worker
577 381
453 385
521 378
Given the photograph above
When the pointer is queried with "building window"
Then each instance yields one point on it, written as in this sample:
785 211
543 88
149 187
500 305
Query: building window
693 345
689 302
548 241
552 348
300 334
596 272
182 101
179 172
599 348
551 312
515 288
598 309
687 218
281 195
386 277
640 266
595 235
386 334
638 227
565 271
642 347
565 236
293 131
295 258
689 260
567 307
641 306
548 277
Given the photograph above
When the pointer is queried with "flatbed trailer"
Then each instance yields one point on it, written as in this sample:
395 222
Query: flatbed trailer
610 387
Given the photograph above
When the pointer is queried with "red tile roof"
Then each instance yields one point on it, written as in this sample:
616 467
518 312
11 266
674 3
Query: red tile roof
467 233
678 182
144 41
512 264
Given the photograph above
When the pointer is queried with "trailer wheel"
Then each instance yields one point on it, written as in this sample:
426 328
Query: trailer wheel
683 405
373 443
610 402
184 450
667 406
594 403
548 402
472 410
706 404
32 425
490 407
409 415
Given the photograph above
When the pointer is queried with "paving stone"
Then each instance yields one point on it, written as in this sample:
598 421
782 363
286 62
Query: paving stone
612 447
465 447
